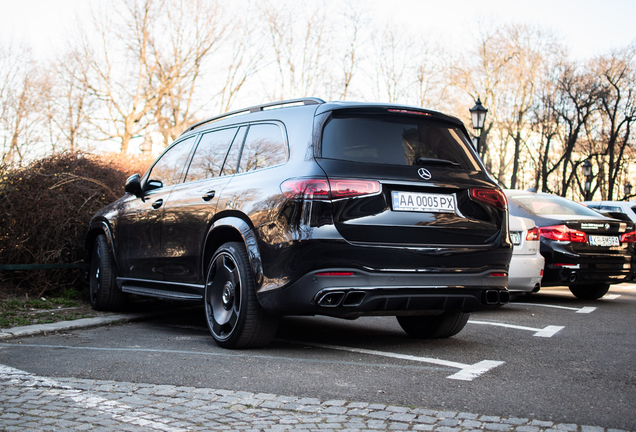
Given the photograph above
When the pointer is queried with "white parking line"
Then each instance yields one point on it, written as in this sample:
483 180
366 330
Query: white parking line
625 286
585 310
606 296
549 331
467 372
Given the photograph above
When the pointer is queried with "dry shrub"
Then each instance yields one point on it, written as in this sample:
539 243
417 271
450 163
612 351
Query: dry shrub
45 209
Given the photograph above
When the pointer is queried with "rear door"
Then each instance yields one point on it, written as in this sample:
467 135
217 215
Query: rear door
428 176
192 205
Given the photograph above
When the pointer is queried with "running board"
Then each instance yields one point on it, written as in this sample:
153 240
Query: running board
174 295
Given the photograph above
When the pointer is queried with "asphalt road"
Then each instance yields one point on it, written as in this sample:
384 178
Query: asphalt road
549 356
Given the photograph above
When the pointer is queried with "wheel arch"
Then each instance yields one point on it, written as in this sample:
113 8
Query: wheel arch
229 229
96 228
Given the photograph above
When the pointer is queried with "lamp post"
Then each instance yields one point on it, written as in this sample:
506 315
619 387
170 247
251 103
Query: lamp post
627 189
478 116
587 172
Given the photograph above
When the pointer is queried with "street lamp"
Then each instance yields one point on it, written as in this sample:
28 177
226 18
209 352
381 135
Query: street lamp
627 188
587 172
478 116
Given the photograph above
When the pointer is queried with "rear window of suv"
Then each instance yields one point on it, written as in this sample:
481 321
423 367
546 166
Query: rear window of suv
396 140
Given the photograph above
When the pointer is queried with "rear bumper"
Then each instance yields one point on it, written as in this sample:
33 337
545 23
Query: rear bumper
570 273
386 293
525 273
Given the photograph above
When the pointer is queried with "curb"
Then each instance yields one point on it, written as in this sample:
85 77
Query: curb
38 329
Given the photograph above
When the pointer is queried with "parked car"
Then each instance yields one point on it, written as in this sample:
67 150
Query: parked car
624 210
305 207
582 248
526 265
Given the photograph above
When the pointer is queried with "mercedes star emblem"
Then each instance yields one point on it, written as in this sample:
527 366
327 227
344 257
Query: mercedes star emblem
424 173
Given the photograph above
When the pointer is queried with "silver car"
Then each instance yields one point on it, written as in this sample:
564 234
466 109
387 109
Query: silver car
624 210
526 266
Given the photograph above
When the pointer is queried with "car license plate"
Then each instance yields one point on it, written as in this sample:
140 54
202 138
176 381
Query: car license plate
515 237
604 241
423 202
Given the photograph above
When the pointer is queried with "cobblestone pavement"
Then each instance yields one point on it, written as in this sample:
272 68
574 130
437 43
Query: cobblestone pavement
30 402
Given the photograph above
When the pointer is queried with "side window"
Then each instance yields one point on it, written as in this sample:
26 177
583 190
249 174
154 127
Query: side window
232 159
210 154
168 170
264 147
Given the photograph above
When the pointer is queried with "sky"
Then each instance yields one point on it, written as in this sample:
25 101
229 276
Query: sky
588 27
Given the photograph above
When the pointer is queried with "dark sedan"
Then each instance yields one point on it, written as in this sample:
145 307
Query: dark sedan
582 248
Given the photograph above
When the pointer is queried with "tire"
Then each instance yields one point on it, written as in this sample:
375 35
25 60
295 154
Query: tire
589 292
233 314
445 325
104 293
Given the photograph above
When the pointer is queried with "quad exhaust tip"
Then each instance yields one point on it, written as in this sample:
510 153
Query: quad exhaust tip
341 298
331 299
495 297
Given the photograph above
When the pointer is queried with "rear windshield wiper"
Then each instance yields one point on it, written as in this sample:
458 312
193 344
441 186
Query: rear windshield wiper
430 161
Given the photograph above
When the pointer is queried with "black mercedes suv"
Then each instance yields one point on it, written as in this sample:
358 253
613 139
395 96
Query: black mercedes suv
306 207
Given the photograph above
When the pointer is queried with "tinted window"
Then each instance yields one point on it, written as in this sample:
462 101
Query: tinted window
395 140
232 159
169 168
210 154
264 147
544 204
612 208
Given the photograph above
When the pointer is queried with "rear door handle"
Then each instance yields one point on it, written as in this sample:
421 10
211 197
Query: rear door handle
157 204
208 196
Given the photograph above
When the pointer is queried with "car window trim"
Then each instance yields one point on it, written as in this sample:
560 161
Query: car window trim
146 176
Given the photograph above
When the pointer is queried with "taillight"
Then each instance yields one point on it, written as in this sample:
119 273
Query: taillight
323 189
629 237
351 188
563 233
317 189
493 197
533 234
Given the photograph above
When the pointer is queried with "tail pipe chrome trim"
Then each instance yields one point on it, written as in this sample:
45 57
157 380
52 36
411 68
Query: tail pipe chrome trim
495 297
331 299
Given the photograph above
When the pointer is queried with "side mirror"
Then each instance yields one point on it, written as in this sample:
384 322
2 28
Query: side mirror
133 185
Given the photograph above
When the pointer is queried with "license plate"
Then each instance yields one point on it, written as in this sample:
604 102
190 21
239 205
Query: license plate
604 241
516 238
423 202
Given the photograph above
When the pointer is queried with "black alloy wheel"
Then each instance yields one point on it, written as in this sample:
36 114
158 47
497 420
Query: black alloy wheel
232 312
445 325
589 292
104 293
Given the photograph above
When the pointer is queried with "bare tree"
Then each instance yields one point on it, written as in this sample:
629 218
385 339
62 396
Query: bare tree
144 64
392 64
66 105
19 102
508 66
301 48
194 32
353 23
243 58
616 74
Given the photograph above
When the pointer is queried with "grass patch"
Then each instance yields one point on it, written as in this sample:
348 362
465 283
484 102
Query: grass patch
17 312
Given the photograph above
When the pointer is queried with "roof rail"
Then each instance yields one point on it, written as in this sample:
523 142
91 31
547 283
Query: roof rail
257 108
